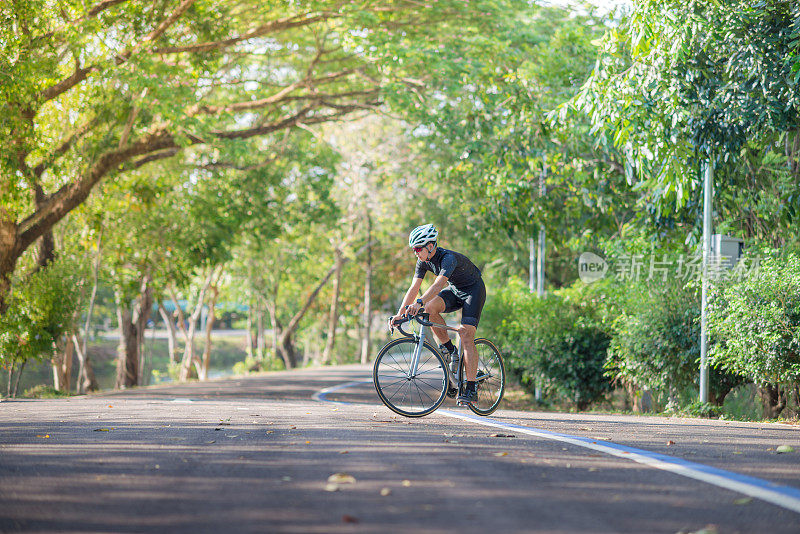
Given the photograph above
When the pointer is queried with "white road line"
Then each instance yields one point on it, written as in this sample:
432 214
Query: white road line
784 496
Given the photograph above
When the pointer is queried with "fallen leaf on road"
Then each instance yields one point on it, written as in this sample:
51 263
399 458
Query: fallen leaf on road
210 442
307 442
744 500
270 431
670 442
349 519
502 436
501 454
343 452
103 429
385 492
286 479
341 478
292 427
406 483
46 436
784 448
331 487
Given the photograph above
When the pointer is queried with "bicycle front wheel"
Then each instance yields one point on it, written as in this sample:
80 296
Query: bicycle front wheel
410 394
491 378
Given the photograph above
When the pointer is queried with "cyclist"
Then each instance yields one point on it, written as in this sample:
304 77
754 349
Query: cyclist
464 290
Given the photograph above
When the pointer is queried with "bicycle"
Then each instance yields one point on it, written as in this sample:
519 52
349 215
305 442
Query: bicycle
412 377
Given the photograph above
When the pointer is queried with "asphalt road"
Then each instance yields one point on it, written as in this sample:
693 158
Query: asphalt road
255 455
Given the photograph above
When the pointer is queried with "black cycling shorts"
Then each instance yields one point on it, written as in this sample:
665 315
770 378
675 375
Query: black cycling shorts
470 300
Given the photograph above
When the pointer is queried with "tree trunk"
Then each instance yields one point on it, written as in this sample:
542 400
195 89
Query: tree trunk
172 333
250 339
189 359
773 399
62 364
132 319
86 381
9 253
366 338
261 342
127 350
276 327
202 371
16 380
286 350
333 316
86 378
284 344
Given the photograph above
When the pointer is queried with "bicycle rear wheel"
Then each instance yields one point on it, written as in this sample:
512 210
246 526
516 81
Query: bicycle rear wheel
410 396
491 378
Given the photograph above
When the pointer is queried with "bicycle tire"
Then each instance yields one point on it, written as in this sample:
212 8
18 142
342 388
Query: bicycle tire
492 387
410 396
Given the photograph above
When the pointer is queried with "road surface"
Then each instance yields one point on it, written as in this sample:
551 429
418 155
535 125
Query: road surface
314 451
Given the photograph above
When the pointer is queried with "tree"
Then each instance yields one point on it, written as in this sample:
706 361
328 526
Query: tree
756 323
38 316
92 92
677 84
499 159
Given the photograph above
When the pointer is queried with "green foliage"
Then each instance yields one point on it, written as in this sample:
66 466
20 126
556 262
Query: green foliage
44 392
656 340
557 339
756 323
679 82
39 312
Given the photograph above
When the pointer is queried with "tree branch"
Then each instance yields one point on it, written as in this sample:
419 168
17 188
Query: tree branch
81 73
270 27
74 193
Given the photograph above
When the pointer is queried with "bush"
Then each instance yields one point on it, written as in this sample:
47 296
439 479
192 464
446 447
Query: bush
39 310
556 339
756 325
656 342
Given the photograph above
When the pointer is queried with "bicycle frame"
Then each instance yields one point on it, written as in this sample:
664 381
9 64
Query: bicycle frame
422 319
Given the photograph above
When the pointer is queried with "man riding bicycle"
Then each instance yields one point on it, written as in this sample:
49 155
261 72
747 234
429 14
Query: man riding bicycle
465 291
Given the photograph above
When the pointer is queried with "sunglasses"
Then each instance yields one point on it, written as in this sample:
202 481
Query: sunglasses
417 249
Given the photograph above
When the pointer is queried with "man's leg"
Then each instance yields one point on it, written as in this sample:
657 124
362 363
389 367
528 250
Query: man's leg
466 333
435 308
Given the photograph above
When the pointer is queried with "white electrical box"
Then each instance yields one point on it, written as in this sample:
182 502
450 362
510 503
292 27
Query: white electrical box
726 250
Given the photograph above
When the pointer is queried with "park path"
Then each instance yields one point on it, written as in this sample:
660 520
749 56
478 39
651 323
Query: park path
256 454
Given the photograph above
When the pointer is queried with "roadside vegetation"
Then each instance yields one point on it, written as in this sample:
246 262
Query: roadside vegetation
198 166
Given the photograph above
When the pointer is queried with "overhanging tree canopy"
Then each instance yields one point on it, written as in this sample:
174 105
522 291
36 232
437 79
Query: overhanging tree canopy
89 91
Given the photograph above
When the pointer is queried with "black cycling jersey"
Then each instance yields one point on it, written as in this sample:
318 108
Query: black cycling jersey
459 270
466 292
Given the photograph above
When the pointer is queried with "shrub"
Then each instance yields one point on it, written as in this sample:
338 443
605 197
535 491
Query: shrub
39 310
557 339
656 342
756 325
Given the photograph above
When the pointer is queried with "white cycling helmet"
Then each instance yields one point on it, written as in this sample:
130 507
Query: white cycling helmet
422 235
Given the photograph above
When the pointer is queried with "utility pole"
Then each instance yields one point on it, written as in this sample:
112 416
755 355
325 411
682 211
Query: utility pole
532 264
708 196
540 270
